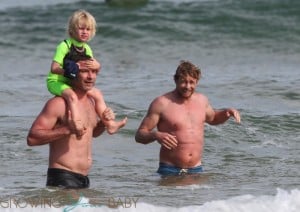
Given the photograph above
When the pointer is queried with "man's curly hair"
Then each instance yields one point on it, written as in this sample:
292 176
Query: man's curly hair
186 68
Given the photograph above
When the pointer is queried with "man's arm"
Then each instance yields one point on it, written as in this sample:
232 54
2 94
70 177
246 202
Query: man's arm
145 133
43 129
215 117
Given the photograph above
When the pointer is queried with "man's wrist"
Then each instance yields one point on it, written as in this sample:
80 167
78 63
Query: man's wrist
153 135
66 131
101 124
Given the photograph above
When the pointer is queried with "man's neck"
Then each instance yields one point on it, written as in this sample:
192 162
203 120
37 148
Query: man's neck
80 94
180 97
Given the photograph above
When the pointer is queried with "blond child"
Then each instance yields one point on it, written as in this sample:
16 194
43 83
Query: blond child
72 55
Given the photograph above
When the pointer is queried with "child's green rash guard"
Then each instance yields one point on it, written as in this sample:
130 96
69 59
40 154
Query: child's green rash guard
57 83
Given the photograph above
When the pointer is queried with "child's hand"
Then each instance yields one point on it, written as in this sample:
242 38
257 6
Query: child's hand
89 64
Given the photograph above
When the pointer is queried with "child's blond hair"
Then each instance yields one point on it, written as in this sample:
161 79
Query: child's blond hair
81 18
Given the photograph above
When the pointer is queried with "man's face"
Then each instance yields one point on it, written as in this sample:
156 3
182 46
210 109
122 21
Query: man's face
85 80
185 86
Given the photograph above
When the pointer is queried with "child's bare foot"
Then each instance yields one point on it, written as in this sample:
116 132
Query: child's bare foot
114 126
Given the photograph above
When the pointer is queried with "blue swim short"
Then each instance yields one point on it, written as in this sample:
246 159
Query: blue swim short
166 169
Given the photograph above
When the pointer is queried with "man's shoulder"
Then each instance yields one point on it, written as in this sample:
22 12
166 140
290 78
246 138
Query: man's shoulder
163 98
200 99
199 95
161 101
56 103
57 99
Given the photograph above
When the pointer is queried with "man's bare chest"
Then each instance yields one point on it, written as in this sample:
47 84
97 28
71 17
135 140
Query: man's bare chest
183 116
88 115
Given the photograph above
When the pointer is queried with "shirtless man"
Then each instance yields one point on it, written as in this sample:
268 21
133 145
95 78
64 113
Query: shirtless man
179 117
70 156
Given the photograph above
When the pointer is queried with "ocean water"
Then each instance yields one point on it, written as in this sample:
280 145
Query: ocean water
249 55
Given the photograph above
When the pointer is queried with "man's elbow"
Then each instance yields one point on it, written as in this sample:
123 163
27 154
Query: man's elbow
31 141
211 120
138 138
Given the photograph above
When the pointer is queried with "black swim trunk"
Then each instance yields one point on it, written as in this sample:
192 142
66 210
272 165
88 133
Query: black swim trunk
66 179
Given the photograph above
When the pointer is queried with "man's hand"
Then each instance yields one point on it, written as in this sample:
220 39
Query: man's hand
71 125
234 113
167 140
108 114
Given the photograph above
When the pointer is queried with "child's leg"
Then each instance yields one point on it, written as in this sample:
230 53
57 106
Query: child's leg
111 125
61 88
72 101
